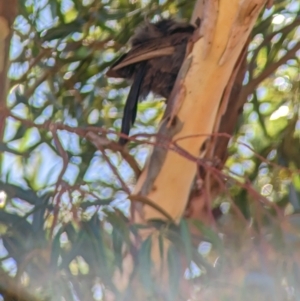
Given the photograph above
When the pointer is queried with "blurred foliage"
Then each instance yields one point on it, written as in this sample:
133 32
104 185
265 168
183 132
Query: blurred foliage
64 214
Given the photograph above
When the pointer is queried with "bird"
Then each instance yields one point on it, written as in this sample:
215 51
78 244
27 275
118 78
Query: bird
152 64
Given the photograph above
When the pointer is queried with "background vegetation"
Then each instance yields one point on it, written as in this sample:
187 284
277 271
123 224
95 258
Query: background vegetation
65 224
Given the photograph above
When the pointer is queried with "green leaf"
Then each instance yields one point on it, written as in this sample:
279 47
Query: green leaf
145 263
63 30
118 243
53 8
186 238
55 249
175 272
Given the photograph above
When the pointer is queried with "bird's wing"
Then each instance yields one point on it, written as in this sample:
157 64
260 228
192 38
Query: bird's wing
144 56
148 50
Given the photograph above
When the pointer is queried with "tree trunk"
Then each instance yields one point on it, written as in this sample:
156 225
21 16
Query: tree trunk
195 108
8 12
194 111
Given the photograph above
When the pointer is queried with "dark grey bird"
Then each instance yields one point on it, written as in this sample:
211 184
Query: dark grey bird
156 55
